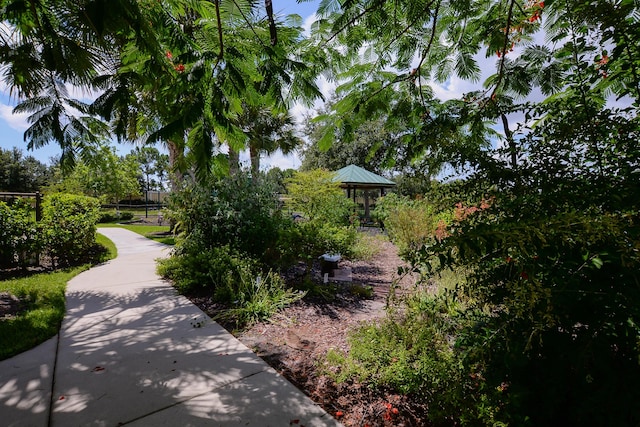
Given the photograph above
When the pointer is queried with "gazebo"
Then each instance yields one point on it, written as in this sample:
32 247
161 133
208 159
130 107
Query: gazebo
353 178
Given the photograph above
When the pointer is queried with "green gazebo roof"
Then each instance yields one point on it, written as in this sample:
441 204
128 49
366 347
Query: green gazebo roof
356 176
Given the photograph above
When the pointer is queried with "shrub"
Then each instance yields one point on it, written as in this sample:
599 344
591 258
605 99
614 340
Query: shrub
20 237
69 223
234 211
412 224
556 313
256 297
308 240
318 198
115 216
410 352
192 268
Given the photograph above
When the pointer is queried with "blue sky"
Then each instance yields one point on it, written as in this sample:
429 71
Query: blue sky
12 126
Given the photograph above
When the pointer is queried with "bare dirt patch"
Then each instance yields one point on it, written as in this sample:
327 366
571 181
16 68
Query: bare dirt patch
298 338
10 306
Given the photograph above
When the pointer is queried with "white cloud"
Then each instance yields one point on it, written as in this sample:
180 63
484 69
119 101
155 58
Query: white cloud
279 160
18 122
308 22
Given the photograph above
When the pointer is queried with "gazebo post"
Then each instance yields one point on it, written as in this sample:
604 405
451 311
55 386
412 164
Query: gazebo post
366 205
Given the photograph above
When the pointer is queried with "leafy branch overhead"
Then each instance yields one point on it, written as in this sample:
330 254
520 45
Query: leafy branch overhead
393 53
175 71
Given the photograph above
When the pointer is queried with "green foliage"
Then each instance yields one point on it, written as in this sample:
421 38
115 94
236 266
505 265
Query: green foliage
308 240
22 174
20 237
69 224
412 224
115 216
254 298
410 352
318 198
193 268
103 175
555 312
366 246
235 211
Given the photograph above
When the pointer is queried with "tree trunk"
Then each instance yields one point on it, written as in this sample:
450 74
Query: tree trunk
234 162
175 175
176 152
510 141
254 152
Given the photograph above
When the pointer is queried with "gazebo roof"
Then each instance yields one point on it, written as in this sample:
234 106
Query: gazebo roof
356 176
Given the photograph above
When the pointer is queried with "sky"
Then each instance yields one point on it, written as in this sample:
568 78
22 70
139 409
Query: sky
12 126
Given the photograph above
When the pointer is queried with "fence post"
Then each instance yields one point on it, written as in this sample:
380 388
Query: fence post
38 206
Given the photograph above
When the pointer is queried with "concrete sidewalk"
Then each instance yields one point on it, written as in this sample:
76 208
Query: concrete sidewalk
128 354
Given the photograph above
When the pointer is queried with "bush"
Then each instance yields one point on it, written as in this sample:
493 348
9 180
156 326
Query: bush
557 313
233 279
308 240
69 223
410 352
192 268
115 216
20 238
412 224
234 211
318 198
256 298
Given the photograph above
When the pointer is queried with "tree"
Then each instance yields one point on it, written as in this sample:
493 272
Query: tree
153 167
318 198
103 175
267 132
174 71
22 174
368 148
547 241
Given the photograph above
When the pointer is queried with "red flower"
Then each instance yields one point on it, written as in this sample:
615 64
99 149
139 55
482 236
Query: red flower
169 54
394 411
179 68
524 275
339 414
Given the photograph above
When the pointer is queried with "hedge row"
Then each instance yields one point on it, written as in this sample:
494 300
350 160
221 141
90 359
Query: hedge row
66 233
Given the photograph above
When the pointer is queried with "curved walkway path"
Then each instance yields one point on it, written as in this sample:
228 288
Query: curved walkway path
131 352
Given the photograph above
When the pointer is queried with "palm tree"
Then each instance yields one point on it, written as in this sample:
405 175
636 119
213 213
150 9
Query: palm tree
267 131
175 72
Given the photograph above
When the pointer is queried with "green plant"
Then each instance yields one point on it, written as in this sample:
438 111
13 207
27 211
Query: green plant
412 224
115 216
234 211
313 290
256 297
69 223
192 268
364 291
20 237
367 246
318 198
308 240
410 352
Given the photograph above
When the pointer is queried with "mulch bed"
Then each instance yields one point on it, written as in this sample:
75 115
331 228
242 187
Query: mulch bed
298 338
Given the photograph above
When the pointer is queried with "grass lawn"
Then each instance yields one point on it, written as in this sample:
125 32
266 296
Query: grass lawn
43 295
148 231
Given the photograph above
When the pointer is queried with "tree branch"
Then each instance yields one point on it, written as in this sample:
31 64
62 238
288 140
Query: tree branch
272 23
